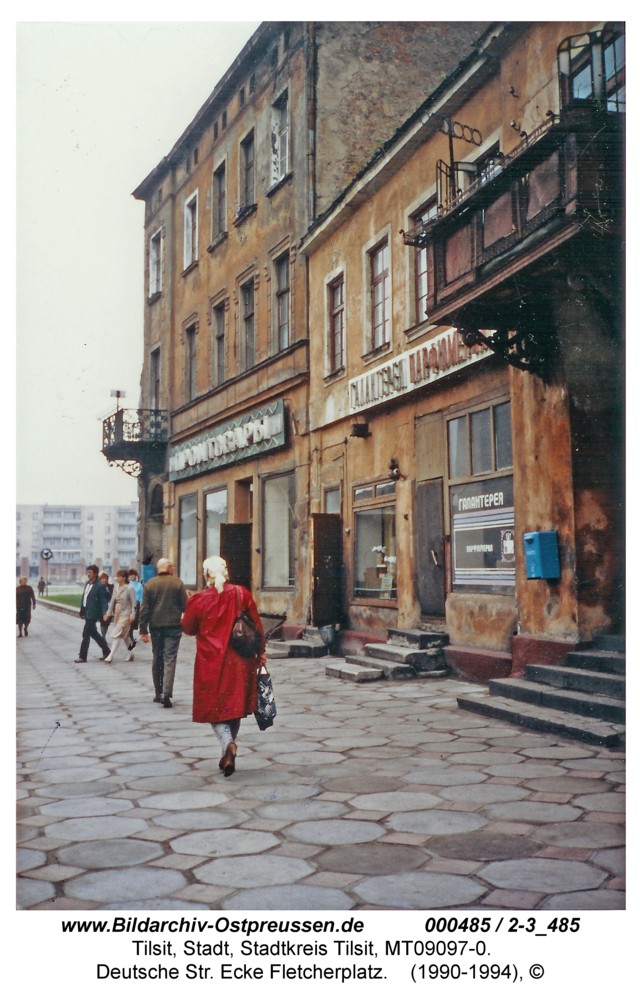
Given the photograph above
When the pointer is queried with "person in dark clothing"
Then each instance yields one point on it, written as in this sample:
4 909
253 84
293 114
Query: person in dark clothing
25 600
41 586
95 601
163 601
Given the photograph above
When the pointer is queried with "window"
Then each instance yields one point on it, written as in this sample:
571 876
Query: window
159 197
107 530
241 98
188 540
18 516
195 156
248 319
252 83
278 568
191 230
592 67
332 501
107 517
247 173
154 379
482 512
380 307
218 326
89 517
224 119
375 542
215 131
90 529
420 265
336 324
35 515
273 56
215 515
191 362
282 301
280 140
220 203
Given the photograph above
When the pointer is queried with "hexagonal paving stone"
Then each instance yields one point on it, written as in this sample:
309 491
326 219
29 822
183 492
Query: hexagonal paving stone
335 831
484 758
581 834
484 793
201 819
279 793
592 764
30 891
251 871
483 846
532 812
273 747
27 859
108 853
224 843
614 860
312 757
79 788
248 778
178 783
120 885
567 783
73 774
302 809
156 904
396 801
376 859
184 800
542 875
95 828
151 770
86 807
60 763
362 783
288 897
525 770
594 899
445 776
557 753
607 802
141 757
436 821
419 890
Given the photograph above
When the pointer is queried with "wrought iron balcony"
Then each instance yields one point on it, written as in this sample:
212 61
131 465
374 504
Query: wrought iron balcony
501 244
136 439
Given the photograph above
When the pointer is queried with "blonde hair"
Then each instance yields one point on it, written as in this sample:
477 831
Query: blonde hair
216 572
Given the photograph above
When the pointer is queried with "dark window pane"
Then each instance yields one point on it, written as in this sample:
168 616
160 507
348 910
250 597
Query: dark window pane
481 442
458 448
502 428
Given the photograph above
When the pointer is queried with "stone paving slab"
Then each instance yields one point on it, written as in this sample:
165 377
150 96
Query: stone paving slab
358 798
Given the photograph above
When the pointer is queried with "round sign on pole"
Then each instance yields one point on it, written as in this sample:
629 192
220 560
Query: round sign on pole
46 554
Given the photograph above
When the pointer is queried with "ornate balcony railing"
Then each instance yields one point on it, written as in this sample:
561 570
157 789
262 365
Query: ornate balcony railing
134 439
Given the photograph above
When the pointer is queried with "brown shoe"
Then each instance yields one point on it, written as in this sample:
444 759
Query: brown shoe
228 762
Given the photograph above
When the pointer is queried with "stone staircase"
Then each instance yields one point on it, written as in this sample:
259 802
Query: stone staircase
584 699
310 644
406 655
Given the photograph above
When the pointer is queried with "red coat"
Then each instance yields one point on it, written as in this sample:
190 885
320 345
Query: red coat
224 683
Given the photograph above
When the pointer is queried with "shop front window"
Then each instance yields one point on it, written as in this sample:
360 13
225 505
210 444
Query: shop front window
188 540
375 545
215 515
278 567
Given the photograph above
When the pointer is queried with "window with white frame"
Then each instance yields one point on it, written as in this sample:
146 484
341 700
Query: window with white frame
191 230
380 296
374 516
336 324
154 379
191 344
421 286
220 201
280 139
248 179
283 296
278 565
155 263
218 352
248 309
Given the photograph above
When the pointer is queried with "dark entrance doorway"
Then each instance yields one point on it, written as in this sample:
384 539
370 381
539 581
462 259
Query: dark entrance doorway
430 547
235 549
326 548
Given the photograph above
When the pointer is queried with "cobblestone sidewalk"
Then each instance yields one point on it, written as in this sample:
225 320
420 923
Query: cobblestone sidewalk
360 797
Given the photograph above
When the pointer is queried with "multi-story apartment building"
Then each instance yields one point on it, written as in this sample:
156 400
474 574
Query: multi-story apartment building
226 355
465 331
77 536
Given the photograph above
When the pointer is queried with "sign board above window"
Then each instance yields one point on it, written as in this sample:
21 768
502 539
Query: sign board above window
418 367
250 435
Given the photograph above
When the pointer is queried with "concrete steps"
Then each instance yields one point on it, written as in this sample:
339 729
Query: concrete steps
310 645
408 654
583 699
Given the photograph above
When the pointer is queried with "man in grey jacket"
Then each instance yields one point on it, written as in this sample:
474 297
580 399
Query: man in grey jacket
163 601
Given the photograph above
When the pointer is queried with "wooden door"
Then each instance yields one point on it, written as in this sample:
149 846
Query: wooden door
430 547
327 568
235 549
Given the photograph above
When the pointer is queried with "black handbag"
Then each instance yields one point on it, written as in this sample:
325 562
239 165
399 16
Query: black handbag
245 638
266 712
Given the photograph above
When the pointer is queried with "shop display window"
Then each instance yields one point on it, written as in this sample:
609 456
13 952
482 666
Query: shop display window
278 565
188 540
375 543
215 515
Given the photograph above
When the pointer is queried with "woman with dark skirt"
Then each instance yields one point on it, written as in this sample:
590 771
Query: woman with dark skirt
25 600
224 683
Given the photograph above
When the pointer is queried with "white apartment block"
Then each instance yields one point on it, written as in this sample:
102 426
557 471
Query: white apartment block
77 536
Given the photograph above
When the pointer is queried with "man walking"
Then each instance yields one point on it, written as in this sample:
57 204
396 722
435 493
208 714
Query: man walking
163 601
95 601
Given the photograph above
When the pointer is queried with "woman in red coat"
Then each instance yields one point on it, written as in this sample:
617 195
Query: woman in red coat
224 683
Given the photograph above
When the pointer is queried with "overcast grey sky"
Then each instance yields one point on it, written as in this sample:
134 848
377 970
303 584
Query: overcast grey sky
98 105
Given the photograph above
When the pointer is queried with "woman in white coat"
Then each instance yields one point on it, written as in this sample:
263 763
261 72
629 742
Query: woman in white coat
123 609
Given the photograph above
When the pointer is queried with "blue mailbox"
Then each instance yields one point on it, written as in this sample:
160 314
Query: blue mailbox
541 556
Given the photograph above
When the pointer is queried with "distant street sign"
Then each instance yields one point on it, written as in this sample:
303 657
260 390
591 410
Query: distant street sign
46 554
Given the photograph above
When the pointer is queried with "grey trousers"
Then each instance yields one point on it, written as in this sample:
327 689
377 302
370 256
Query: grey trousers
164 642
